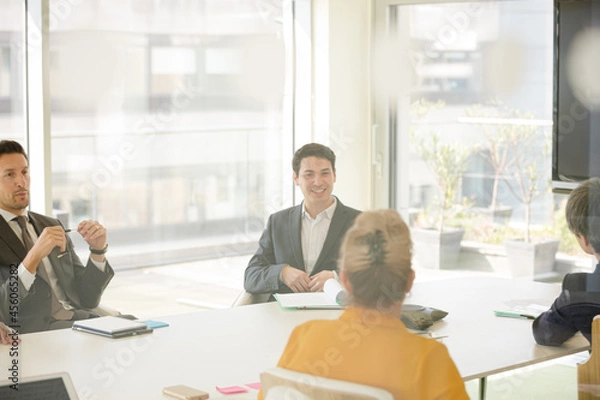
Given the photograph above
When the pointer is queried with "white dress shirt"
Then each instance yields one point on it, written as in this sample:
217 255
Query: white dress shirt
314 233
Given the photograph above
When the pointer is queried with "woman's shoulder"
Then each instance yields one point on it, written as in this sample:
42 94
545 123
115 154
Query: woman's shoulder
317 324
427 346
315 331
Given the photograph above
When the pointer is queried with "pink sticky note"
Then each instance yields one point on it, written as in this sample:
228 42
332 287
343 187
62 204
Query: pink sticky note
231 389
254 385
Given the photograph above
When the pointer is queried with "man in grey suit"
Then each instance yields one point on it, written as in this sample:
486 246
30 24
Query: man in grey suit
299 247
43 284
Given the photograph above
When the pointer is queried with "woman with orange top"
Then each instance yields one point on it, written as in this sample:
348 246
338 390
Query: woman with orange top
368 344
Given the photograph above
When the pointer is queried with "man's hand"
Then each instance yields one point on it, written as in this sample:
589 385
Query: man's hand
5 331
295 279
93 233
318 280
51 237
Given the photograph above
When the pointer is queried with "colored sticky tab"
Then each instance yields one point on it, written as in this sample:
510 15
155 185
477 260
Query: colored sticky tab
155 324
231 389
254 385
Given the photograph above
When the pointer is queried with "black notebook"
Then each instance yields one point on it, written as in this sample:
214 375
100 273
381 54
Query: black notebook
57 386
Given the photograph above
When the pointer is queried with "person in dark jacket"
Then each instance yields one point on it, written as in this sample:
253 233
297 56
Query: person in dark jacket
579 302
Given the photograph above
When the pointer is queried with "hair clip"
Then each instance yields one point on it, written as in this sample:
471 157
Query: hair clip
376 241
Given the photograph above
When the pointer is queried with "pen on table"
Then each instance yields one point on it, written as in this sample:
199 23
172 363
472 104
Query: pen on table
431 335
525 316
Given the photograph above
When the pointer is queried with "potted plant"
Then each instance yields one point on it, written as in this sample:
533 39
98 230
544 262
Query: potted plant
496 153
437 245
528 147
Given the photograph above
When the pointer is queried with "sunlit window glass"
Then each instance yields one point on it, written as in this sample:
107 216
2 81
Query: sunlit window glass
472 98
12 46
167 123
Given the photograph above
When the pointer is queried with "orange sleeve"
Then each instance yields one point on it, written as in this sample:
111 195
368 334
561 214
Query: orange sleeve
442 376
288 354
291 349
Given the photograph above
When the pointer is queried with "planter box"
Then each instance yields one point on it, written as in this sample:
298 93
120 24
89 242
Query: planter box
527 260
500 215
435 250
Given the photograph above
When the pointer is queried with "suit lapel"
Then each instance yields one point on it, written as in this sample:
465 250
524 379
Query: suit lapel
11 240
335 228
295 223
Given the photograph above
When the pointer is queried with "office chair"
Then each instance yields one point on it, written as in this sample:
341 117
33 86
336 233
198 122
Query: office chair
283 384
588 372
245 298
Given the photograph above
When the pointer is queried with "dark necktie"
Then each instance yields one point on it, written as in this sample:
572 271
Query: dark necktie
58 311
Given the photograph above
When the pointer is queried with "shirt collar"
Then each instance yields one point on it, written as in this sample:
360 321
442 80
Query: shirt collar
8 216
327 213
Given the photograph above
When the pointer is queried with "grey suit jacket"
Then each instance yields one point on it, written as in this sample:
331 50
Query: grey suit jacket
82 285
280 245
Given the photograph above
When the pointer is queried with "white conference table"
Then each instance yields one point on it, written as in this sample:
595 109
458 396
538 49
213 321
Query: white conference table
232 346
480 343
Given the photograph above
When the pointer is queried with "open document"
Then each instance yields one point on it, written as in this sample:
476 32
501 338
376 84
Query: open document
525 309
333 296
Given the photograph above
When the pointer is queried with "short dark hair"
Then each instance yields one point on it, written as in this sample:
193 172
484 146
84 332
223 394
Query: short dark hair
312 150
11 147
583 211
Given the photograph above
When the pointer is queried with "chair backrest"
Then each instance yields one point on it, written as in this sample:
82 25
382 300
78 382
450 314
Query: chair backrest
104 310
283 384
588 372
245 298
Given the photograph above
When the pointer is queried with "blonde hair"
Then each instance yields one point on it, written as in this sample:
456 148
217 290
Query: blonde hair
376 255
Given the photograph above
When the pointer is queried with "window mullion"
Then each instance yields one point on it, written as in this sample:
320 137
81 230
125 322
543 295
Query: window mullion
37 103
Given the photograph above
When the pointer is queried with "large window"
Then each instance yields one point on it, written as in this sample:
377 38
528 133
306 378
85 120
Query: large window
167 123
468 88
12 54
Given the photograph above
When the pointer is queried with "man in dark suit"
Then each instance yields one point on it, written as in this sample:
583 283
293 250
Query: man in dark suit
299 247
579 302
43 284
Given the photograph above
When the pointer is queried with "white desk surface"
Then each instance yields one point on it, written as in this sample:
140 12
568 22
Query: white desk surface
481 343
232 346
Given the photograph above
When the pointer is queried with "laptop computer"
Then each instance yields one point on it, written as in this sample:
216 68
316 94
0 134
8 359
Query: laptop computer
57 386
113 327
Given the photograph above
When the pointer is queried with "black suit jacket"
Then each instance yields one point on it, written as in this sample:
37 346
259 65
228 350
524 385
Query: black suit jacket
82 285
281 245
572 311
